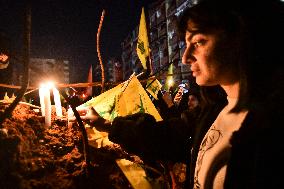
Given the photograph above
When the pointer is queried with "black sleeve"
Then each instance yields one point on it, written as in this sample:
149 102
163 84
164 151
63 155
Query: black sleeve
140 134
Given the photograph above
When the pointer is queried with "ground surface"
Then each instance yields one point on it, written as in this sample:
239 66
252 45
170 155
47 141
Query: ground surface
32 156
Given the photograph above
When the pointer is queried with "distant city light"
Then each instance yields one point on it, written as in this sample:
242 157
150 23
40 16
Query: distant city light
48 85
170 82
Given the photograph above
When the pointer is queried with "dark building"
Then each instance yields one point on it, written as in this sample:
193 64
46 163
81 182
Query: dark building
161 19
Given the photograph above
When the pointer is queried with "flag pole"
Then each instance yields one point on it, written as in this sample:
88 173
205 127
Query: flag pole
89 89
150 62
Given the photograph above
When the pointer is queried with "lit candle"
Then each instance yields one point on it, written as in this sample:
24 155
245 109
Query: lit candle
57 102
47 104
41 99
70 115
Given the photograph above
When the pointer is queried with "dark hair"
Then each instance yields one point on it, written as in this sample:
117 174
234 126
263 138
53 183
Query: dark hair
4 43
256 24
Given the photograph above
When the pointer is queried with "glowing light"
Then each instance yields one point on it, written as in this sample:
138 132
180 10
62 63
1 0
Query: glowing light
170 82
50 85
45 102
57 102
41 99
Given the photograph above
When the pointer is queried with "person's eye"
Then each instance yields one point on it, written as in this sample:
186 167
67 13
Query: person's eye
198 43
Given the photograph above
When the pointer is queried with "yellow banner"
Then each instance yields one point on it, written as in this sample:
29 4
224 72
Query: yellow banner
143 43
153 87
125 99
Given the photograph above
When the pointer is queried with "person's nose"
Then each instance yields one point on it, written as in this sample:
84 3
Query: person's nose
187 57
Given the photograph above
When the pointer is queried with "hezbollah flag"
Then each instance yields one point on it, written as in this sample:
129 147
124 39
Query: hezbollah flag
125 99
143 43
153 86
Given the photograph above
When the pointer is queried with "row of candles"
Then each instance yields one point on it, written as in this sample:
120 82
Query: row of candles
45 101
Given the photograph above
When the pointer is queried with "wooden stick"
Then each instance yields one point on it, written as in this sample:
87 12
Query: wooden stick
99 52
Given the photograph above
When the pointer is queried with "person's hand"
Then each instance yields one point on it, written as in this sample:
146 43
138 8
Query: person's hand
168 99
178 96
90 115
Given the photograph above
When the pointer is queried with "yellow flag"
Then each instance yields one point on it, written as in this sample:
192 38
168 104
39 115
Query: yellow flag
125 99
105 102
136 99
153 86
143 43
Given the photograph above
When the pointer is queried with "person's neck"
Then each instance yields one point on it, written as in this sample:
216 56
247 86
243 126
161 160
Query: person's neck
232 90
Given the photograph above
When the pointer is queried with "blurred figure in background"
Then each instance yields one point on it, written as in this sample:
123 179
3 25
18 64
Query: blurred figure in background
193 101
172 106
180 93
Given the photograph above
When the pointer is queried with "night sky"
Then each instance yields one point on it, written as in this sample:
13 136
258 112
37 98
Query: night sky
67 29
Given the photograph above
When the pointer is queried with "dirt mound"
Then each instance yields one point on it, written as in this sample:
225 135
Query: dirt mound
32 156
